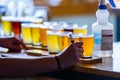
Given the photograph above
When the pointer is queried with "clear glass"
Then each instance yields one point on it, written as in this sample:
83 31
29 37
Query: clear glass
43 31
52 42
80 29
6 25
63 40
26 33
35 32
88 45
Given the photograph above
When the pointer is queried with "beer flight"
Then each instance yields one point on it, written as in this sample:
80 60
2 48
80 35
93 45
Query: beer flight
53 35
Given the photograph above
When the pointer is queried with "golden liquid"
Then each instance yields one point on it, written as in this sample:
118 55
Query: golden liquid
43 36
78 31
38 22
7 27
88 45
76 39
63 42
62 30
52 43
26 34
36 36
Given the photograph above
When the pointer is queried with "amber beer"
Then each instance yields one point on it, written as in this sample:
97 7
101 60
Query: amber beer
76 37
88 45
26 33
16 27
63 40
35 31
6 25
43 31
52 42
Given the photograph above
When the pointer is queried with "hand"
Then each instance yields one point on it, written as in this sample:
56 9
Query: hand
71 55
13 44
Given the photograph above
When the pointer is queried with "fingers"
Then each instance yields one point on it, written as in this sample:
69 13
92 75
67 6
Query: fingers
79 49
23 45
79 52
13 48
20 43
79 44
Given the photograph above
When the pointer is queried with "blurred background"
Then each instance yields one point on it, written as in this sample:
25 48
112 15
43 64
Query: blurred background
71 11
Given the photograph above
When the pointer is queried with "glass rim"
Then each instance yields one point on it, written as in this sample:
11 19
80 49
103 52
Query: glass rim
86 35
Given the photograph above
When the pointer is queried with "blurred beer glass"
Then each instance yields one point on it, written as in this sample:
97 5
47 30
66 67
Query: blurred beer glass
55 26
52 42
26 33
16 27
35 31
43 30
80 29
88 45
63 40
46 23
76 37
37 20
25 19
68 27
6 25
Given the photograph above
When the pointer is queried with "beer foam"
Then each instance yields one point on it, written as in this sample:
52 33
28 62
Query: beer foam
25 24
6 18
87 36
76 26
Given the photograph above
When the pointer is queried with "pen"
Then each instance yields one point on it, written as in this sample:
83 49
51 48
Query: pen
71 38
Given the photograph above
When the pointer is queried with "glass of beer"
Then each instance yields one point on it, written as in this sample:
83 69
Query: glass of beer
88 45
68 27
76 37
63 40
56 27
52 42
80 29
36 37
43 30
6 25
16 27
26 33
25 19
37 20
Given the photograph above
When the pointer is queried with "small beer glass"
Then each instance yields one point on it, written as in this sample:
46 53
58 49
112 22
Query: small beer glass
88 45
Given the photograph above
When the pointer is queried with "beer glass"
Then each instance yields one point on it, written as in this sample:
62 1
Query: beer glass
16 27
63 40
68 27
35 31
56 27
37 20
80 30
43 30
88 45
52 42
26 33
25 19
6 25
76 37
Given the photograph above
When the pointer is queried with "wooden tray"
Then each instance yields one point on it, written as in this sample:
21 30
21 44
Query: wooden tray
91 61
